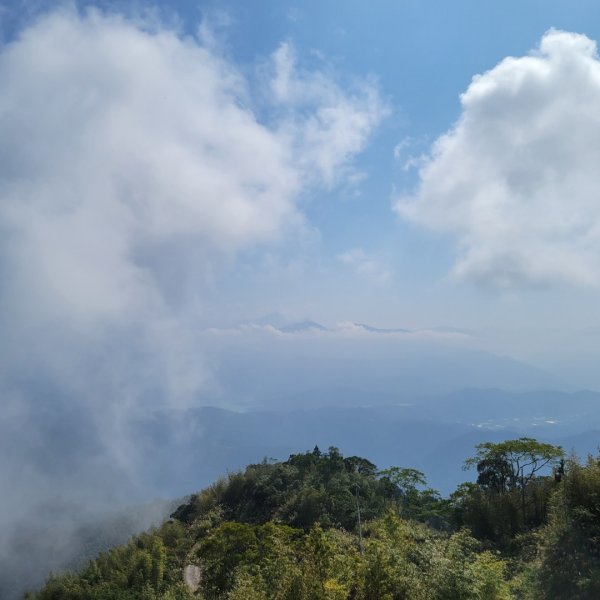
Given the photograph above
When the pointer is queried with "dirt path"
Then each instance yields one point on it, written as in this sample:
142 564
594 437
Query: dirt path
192 576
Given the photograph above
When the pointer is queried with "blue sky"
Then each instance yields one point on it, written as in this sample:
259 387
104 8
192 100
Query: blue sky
339 246
423 55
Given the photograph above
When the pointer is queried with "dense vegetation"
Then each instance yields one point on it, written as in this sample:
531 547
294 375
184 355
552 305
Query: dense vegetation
321 526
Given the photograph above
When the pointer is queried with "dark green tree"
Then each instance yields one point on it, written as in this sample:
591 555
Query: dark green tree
513 465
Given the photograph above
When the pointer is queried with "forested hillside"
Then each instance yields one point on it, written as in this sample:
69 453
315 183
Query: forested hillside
323 526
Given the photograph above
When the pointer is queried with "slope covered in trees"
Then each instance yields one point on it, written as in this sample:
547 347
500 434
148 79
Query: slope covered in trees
322 526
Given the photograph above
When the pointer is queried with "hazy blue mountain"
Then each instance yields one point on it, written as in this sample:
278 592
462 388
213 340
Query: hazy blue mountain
560 413
307 325
379 330
435 435
312 367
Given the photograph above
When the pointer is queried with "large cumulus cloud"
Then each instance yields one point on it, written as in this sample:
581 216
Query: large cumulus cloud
516 179
133 166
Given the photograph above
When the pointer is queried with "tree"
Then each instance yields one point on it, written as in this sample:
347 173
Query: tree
513 464
423 504
405 479
568 565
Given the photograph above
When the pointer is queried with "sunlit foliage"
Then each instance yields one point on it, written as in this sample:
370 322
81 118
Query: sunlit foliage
320 526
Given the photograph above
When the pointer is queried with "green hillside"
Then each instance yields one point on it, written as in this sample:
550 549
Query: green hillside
322 526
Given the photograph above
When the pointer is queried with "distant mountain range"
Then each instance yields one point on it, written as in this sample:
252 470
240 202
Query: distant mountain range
278 365
304 325
434 435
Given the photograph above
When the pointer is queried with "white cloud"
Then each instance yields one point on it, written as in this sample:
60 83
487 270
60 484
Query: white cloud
365 265
336 125
403 154
516 179
131 170
128 149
